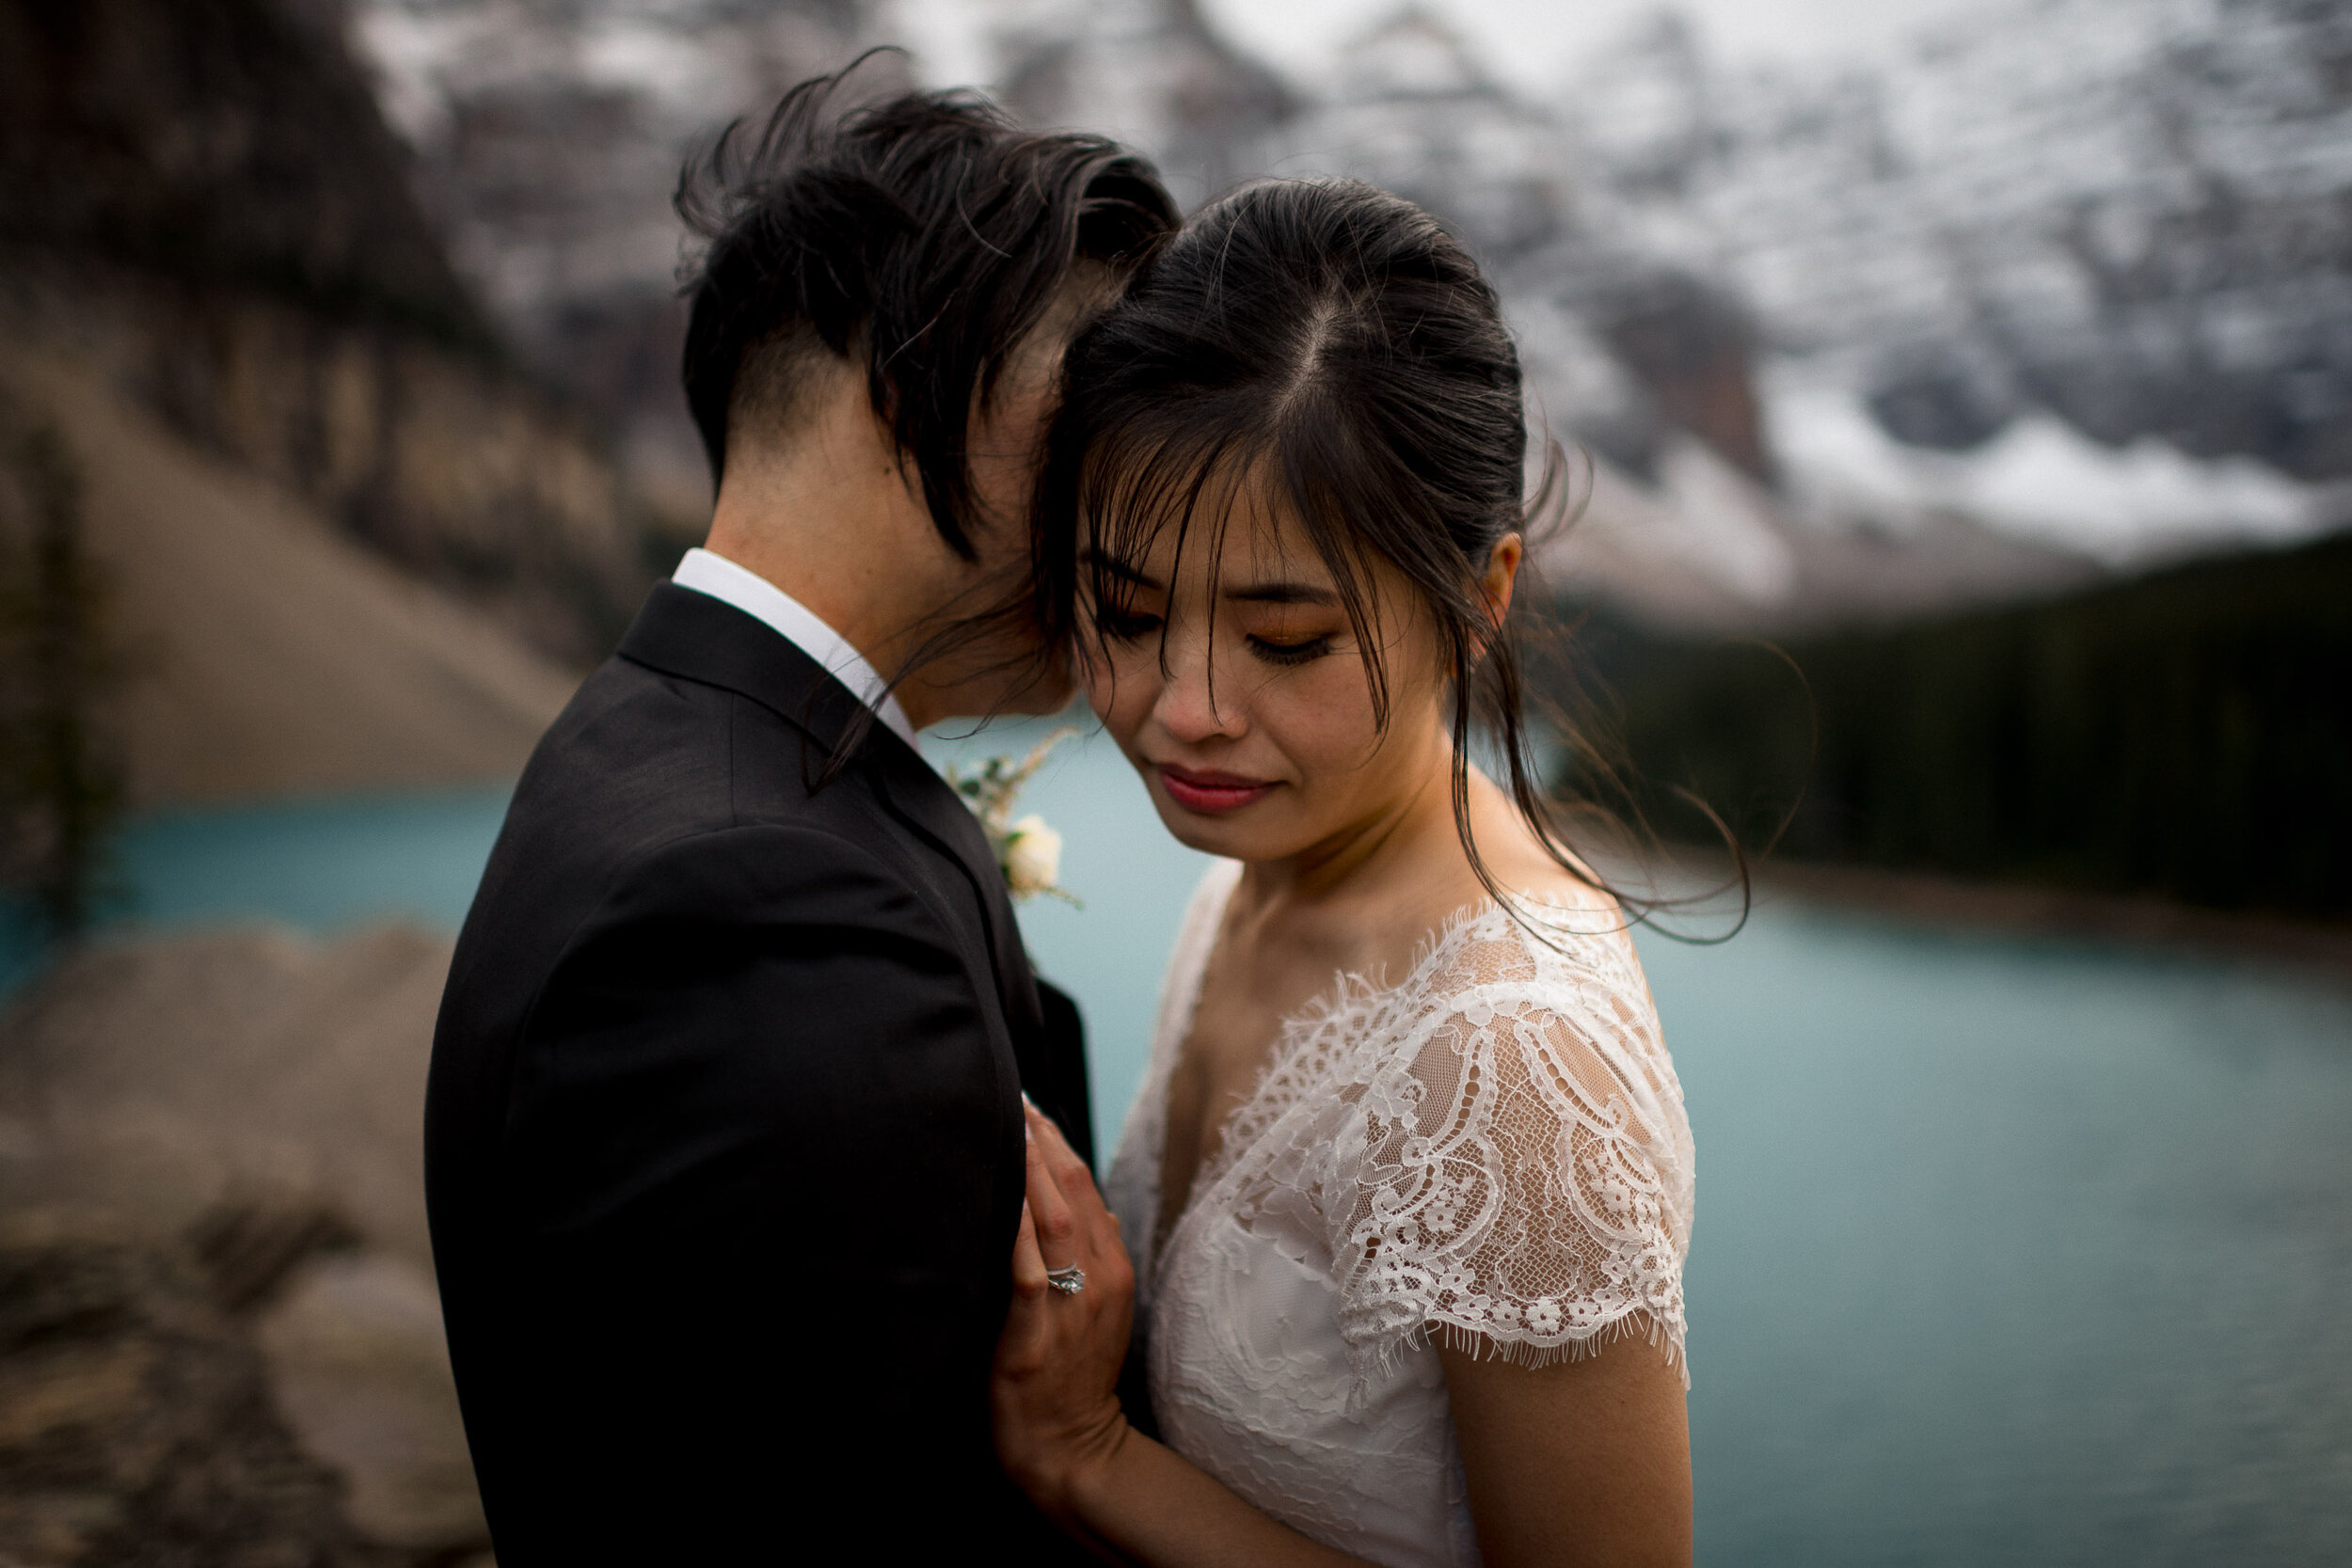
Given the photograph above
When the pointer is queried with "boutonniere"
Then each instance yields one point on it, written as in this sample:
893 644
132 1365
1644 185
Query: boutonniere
1028 853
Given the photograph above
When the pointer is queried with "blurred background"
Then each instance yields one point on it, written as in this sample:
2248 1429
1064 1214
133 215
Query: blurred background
1960 400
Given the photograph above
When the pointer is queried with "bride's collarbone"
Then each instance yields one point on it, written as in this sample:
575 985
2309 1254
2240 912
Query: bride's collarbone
1218 1062
1264 970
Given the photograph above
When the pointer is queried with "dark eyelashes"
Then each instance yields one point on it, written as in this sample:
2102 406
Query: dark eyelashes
1126 628
1133 627
1290 652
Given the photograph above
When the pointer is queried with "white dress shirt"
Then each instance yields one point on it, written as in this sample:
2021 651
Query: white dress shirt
798 625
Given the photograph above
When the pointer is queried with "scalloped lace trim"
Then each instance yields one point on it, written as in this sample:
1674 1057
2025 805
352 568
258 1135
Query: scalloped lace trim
1491 1152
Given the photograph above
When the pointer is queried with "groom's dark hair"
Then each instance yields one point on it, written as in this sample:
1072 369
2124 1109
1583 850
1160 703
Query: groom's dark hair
924 235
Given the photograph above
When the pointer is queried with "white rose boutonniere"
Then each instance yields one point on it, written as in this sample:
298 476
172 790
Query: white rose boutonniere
1031 858
1028 853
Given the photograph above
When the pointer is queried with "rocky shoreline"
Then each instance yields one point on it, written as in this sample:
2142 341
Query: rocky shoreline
219 1335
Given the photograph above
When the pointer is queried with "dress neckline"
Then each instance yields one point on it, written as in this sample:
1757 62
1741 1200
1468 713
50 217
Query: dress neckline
1348 989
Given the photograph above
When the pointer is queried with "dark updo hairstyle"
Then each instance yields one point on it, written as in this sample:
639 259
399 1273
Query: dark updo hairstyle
1338 342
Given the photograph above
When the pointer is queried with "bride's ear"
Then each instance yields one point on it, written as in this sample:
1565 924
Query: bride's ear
1501 576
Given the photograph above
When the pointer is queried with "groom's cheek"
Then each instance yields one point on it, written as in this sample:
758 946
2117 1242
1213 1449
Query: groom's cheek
1057 685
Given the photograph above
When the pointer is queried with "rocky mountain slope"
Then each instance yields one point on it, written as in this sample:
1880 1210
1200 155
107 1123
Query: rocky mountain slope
260 649
202 202
346 538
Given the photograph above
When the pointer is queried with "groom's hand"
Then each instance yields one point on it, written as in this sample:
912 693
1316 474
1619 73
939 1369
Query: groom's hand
1055 1392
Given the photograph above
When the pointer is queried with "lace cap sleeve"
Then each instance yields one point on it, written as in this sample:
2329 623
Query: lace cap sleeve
1519 1163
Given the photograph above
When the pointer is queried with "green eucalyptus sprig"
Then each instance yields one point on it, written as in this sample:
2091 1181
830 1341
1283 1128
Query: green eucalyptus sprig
1028 853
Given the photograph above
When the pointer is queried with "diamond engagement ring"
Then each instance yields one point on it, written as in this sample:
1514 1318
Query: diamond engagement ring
1069 1281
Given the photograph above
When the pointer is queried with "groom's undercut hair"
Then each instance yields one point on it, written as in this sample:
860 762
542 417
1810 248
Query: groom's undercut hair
922 237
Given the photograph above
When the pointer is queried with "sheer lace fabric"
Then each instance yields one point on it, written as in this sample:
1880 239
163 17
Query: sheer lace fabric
1493 1150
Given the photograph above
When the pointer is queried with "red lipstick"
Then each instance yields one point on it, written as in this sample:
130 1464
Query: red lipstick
1208 791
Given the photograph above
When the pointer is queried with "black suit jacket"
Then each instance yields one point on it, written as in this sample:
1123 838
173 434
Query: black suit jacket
724 1137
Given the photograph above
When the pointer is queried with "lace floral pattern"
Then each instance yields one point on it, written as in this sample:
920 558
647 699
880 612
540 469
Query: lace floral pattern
1493 1150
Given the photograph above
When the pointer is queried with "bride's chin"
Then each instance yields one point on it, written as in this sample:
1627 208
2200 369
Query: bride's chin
1226 838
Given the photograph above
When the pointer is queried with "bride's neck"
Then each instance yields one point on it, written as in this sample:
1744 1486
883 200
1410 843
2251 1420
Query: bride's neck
1399 834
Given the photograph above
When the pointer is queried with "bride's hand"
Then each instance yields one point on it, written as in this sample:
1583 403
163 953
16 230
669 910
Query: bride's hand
1054 1395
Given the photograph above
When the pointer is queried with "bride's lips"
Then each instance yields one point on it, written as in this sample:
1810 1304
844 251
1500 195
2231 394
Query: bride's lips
1210 791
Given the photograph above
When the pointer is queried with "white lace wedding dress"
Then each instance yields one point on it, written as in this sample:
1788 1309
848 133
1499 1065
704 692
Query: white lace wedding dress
1492 1149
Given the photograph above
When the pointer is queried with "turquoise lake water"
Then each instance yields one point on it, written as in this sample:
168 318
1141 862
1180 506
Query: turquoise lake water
2008 1250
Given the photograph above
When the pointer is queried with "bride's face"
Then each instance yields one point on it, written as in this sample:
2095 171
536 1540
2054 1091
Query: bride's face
1237 689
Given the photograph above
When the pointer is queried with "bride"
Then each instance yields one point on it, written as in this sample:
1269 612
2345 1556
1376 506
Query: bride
1402 1248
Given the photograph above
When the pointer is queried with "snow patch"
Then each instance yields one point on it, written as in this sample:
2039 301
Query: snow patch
2039 479
1703 517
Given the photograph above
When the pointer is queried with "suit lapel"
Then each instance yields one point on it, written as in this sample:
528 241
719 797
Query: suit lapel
923 800
684 633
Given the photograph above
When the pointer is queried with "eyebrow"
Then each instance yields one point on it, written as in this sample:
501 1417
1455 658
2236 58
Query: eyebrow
1277 592
1282 592
1112 567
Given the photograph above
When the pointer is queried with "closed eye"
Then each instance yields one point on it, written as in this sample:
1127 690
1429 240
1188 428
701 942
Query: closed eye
1290 652
1125 625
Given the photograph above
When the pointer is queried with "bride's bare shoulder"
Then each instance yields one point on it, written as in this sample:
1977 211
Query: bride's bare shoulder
1520 862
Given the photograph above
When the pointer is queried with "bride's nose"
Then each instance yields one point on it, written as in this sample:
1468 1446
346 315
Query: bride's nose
1190 708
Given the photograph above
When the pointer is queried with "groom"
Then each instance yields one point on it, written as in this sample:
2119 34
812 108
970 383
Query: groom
724 1133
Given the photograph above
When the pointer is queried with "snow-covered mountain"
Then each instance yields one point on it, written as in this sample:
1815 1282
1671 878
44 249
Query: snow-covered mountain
2131 212
2068 288
2066 291
2098 251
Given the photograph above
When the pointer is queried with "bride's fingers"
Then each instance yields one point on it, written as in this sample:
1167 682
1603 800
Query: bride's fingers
1021 1344
1073 1183
1055 1226
1069 1172
1029 1264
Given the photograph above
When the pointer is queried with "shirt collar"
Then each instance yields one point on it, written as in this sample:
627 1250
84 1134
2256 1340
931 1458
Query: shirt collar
798 625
